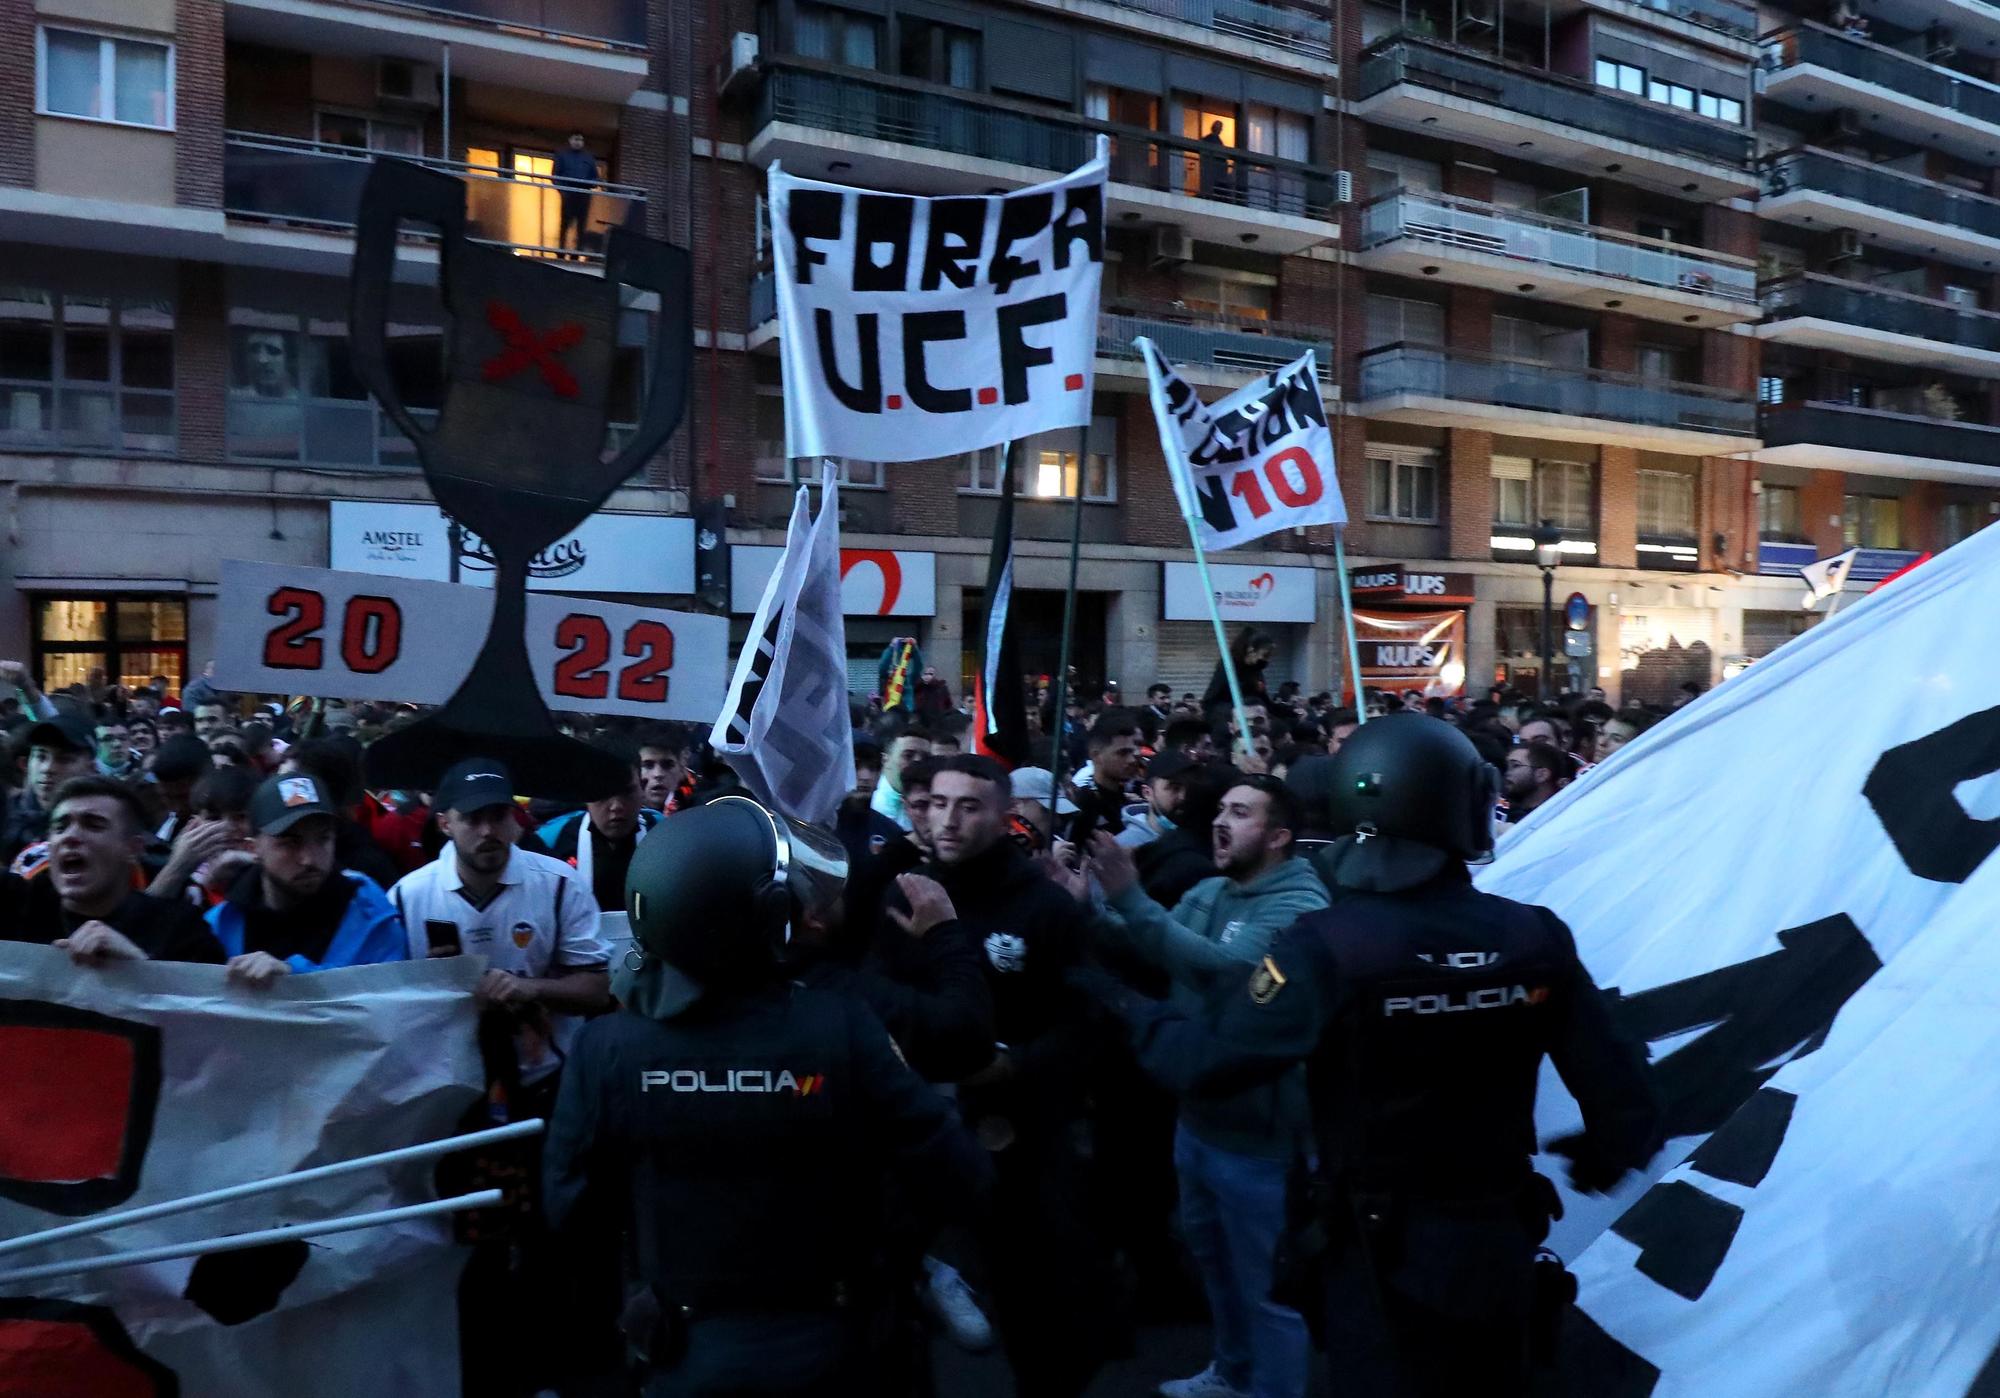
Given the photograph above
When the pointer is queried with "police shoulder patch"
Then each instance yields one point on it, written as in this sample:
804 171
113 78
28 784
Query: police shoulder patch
1265 982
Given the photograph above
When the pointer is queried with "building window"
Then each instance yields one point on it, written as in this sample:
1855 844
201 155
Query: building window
1401 320
836 36
1531 342
1226 295
775 468
1049 466
1666 505
1527 492
99 78
1670 94
1719 108
86 371
1402 485
1778 514
294 396
371 133
1873 522
129 638
1959 520
1660 363
1621 77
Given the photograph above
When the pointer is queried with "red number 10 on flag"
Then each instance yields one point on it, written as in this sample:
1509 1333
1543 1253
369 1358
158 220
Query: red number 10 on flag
1308 490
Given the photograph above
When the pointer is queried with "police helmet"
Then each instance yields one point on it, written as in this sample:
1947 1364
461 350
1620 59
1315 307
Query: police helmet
712 892
1410 794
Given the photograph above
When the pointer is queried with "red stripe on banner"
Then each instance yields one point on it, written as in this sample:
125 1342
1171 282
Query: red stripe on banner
42 1358
65 1095
1909 567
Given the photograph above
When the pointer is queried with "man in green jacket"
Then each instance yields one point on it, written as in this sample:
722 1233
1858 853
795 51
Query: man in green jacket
1231 1151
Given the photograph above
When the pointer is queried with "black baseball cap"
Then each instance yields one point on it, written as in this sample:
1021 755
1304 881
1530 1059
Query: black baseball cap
1168 765
66 732
475 784
283 801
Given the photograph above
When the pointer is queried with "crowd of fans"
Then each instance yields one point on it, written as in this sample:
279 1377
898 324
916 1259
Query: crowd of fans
219 828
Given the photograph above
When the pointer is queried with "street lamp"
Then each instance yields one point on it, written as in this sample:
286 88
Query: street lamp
1548 553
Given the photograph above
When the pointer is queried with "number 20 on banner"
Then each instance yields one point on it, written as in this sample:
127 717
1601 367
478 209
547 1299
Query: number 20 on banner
371 632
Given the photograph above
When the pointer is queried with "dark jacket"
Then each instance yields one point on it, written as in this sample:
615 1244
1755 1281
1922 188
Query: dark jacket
578 165
163 928
745 1140
1175 863
930 993
22 822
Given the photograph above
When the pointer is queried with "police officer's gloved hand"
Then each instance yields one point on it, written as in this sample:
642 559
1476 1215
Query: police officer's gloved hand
1590 1170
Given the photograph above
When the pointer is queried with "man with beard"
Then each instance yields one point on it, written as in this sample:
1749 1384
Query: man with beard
1534 773
1114 762
83 902
1232 1150
1049 1275
599 840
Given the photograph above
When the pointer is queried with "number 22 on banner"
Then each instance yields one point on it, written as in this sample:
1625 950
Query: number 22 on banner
371 632
581 674
1245 486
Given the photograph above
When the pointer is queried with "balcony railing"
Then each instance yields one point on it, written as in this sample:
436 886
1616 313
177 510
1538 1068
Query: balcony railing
312 182
1238 347
621 22
1877 308
1820 47
1300 31
1823 172
1728 16
1548 97
1893 434
1574 392
895 110
1444 222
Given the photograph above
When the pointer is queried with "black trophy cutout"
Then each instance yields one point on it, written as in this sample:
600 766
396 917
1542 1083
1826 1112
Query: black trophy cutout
517 453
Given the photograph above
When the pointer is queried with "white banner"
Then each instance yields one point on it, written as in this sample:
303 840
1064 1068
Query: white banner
289 630
1256 462
873 582
606 553
914 328
143 1083
1791 885
1243 592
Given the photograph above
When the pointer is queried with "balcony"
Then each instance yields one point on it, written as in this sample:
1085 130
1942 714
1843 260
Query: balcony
1443 91
592 49
1519 251
1867 441
1820 190
1212 353
308 190
1724 23
888 133
1818 69
1447 388
1299 37
1827 313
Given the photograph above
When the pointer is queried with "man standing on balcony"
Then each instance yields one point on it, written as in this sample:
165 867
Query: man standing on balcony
577 167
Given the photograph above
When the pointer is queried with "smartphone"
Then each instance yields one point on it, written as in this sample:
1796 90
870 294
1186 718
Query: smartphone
443 937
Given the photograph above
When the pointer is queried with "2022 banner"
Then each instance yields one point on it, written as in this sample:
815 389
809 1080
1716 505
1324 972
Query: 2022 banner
293 630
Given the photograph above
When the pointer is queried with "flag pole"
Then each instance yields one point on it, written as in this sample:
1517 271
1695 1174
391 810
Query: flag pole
1069 618
1347 616
1215 619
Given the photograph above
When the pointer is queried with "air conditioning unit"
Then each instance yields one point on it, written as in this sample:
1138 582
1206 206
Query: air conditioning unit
741 65
1847 246
405 82
1172 245
1343 186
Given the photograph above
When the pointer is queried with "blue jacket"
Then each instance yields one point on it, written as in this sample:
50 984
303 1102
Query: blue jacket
368 930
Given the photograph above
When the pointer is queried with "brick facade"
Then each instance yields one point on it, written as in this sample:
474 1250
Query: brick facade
1468 494
201 361
17 93
198 104
1617 507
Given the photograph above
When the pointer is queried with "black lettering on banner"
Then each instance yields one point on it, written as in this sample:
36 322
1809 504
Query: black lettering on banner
1022 216
919 329
1212 492
882 223
1913 791
812 213
1682 1234
951 248
1017 356
1082 221
867 335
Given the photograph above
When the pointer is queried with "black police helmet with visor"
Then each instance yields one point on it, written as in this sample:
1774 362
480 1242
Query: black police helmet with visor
712 894
1410 796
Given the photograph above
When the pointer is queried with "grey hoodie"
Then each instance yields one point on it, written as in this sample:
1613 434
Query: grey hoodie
1218 930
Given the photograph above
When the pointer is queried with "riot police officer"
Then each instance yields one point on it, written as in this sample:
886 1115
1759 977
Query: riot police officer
742 1127
1423 1009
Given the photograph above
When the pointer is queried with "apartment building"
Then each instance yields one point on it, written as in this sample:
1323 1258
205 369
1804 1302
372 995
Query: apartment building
1538 247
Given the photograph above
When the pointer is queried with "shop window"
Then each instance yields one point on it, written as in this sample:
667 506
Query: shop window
1778 514
128 639
102 78
1666 506
1402 485
86 371
1873 522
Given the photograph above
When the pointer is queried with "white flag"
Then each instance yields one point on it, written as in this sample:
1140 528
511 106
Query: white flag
784 729
1256 462
913 328
1791 884
1827 576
